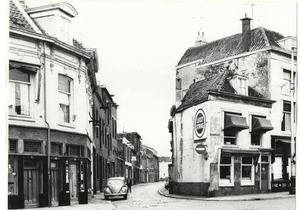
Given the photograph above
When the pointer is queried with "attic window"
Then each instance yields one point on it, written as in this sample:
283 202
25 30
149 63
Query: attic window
240 84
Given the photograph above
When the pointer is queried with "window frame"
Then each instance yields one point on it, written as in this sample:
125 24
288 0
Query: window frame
240 86
30 86
227 182
284 120
255 133
244 181
61 113
235 129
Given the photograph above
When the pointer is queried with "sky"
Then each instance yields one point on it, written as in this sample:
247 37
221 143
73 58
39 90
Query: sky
139 44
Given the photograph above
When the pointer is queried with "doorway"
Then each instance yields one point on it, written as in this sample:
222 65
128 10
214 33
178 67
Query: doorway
54 183
31 183
264 173
73 167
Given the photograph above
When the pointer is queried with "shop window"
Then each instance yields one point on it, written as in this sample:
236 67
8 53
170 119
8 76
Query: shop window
13 145
19 92
56 148
32 147
226 170
12 175
247 171
64 98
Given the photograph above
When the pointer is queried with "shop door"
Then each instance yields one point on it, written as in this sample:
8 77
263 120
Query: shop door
264 177
54 184
31 183
73 181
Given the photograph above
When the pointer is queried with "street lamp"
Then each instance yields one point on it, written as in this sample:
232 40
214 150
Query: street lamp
293 153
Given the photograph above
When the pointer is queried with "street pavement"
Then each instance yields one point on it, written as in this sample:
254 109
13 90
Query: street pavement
135 201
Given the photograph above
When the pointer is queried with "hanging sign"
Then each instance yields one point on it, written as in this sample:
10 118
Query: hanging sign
200 123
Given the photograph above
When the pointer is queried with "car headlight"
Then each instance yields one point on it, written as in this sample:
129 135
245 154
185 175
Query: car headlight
123 189
107 190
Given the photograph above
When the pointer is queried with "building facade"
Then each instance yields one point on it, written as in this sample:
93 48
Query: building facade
240 123
50 141
163 167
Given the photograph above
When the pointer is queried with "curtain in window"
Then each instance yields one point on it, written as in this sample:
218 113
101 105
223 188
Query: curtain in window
19 99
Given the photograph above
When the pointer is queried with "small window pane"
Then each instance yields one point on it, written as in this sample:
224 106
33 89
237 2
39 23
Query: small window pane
247 160
32 147
18 75
64 83
226 160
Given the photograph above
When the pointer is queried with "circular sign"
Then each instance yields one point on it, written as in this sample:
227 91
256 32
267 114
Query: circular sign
200 149
200 123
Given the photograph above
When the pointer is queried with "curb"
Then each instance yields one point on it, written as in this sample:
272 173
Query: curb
227 198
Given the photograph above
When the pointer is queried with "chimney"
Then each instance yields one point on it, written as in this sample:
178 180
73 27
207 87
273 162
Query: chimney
246 24
200 39
22 3
246 32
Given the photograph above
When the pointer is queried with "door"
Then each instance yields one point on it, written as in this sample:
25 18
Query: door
264 177
54 184
31 183
73 181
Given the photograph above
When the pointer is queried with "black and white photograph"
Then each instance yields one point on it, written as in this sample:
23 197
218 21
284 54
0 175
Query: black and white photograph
149 104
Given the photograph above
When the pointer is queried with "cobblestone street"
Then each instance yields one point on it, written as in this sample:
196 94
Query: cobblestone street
145 196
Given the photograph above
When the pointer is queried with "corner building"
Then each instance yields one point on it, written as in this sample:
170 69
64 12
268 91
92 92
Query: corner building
233 107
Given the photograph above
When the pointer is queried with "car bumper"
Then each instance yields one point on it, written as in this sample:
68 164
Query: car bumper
115 194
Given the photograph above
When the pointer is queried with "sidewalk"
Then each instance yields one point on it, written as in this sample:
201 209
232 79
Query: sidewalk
249 197
95 203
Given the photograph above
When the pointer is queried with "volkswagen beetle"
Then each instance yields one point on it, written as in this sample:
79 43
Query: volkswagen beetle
116 186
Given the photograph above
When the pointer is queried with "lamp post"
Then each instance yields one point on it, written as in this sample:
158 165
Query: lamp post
293 152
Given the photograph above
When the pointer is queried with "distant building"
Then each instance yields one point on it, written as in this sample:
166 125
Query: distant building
163 167
231 124
150 165
136 140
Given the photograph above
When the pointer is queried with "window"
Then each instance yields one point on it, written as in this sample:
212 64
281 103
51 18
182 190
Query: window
286 86
64 98
247 171
286 116
75 150
32 147
259 125
230 136
19 92
233 123
241 86
226 170
56 148
13 145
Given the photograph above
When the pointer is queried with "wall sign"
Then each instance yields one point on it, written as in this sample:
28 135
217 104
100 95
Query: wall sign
200 123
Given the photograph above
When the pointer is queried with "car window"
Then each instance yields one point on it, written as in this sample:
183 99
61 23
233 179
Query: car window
116 181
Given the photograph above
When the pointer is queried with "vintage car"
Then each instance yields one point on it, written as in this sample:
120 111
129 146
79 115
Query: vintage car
116 186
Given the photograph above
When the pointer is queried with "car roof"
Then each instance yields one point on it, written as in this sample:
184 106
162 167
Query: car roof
116 178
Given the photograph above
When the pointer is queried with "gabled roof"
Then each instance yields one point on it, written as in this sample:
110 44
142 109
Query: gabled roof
261 38
198 91
17 19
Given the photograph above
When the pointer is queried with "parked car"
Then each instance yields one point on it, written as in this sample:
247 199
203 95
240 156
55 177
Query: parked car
116 186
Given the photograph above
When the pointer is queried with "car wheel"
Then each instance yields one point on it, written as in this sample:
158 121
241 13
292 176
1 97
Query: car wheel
106 197
125 197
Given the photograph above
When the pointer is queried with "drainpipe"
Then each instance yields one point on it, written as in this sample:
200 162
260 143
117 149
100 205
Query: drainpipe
260 171
48 130
293 167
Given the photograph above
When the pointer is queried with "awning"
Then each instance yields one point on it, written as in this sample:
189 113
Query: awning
235 121
261 124
23 66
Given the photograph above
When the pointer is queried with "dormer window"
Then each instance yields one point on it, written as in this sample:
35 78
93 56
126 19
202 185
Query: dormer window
240 84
